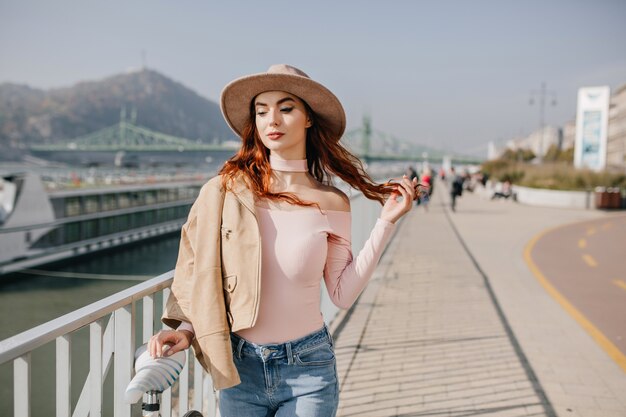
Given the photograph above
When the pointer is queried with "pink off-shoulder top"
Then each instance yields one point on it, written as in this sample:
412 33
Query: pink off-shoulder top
299 248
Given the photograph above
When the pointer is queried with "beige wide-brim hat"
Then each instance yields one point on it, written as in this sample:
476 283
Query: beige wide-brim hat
238 94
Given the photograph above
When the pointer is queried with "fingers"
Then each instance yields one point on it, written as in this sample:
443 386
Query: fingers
404 182
395 194
151 346
406 188
183 341
156 346
181 345
409 187
405 193
159 340
401 190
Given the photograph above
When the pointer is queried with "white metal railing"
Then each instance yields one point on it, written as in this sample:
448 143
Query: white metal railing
111 324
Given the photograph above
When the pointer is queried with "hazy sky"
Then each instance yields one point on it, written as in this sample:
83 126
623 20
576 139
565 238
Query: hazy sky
448 74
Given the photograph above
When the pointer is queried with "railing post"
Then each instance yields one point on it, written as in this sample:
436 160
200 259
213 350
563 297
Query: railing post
147 320
166 398
183 386
83 405
21 386
63 375
148 317
123 357
210 408
95 368
197 386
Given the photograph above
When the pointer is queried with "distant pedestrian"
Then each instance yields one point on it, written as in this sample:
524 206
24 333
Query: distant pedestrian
426 179
484 177
456 187
411 173
505 191
442 174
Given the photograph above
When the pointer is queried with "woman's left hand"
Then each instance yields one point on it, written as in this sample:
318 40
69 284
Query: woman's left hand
394 209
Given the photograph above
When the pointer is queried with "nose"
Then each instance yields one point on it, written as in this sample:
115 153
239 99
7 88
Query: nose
275 117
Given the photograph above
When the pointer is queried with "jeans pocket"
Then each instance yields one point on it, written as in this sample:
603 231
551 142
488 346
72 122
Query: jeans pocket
320 355
233 346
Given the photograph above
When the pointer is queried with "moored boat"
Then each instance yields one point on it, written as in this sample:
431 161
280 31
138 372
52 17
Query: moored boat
39 226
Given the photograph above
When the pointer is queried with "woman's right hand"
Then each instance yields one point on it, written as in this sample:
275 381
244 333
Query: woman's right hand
177 340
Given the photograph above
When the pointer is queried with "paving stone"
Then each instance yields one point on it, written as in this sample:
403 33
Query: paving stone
425 338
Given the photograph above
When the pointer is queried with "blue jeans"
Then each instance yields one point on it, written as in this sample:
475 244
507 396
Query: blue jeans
295 378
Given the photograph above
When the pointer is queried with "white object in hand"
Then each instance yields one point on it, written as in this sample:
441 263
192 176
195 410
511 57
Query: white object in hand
153 374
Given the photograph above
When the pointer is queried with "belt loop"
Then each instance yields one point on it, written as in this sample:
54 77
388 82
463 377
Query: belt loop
330 336
289 354
239 348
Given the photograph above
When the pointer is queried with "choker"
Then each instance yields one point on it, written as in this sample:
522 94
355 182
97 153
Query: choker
292 165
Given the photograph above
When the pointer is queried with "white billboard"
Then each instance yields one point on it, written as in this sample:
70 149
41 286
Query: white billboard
592 117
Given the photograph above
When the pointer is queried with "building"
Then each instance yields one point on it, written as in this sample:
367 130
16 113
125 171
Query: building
616 135
540 141
569 135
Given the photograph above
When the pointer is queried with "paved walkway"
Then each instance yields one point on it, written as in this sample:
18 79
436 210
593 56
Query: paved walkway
454 324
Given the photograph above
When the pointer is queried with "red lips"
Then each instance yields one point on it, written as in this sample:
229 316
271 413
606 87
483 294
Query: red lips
275 135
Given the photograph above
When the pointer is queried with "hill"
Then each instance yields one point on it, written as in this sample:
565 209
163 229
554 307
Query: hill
33 116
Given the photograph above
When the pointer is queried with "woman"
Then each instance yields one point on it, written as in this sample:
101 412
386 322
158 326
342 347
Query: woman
282 227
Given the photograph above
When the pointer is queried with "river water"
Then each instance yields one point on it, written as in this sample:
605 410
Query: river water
27 300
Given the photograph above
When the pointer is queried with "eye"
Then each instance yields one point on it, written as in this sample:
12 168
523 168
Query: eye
260 112
286 109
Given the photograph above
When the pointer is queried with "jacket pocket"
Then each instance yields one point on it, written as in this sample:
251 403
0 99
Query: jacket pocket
226 232
229 283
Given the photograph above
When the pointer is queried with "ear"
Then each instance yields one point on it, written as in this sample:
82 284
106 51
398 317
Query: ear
309 123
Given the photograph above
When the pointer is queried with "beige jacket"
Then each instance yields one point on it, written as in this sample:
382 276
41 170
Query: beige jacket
217 277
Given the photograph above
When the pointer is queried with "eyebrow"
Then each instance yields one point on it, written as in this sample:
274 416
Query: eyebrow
281 101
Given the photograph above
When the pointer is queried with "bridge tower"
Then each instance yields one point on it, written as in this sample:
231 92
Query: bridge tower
367 135
123 123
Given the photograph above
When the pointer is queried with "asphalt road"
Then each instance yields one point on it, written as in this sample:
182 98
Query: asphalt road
586 263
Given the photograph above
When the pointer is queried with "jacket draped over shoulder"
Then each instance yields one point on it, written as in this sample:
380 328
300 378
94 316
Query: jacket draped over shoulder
216 283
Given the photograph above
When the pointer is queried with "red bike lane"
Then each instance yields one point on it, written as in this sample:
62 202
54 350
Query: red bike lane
583 266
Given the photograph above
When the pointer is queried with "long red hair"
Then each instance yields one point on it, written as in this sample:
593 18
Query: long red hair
324 154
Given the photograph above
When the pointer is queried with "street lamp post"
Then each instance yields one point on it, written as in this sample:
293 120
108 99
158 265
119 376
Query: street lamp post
542 94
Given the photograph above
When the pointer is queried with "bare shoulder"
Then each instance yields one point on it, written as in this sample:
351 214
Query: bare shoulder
332 198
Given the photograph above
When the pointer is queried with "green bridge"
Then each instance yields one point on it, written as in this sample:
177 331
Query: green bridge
126 136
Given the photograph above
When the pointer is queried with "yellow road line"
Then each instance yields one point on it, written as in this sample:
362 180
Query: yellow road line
591 231
589 260
613 352
620 283
582 243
